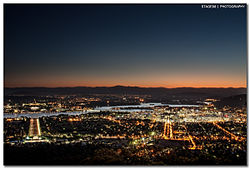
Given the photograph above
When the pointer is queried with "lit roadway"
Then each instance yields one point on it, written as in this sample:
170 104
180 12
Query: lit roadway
191 139
34 130
229 133
168 128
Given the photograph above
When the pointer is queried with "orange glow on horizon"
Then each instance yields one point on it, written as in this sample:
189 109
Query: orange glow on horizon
197 79
174 81
130 85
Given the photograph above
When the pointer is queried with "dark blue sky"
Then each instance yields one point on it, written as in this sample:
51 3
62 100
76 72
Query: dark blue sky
142 45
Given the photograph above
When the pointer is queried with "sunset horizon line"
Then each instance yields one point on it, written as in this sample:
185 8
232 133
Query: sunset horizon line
128 86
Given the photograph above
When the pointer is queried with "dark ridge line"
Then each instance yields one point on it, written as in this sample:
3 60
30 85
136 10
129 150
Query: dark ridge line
119 86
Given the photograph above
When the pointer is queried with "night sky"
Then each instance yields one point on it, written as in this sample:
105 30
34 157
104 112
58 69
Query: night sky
130 45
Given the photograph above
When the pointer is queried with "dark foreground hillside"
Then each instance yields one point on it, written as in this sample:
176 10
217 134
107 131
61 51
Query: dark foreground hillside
78 154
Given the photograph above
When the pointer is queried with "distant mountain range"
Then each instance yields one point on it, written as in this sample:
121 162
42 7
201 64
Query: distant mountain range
124 90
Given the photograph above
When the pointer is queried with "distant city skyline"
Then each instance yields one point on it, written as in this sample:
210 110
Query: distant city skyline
130 45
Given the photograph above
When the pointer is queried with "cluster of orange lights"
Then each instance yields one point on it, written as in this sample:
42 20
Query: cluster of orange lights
74 119
140 123
168 133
